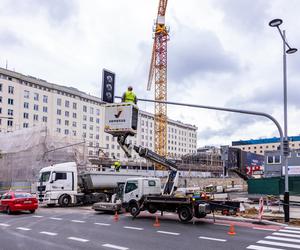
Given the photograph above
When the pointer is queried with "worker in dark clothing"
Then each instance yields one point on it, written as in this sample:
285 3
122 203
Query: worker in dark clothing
129 96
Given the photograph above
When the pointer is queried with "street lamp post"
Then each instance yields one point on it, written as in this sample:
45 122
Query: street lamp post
285 150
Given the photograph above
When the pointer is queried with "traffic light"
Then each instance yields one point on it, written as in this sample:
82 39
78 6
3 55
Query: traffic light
108 86
286 150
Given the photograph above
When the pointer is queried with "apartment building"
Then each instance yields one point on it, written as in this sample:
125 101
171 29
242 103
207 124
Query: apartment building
26 101
259 146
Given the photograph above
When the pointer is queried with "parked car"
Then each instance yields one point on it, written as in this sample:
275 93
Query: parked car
18 201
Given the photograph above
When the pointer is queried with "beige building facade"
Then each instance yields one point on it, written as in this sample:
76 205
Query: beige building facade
26 101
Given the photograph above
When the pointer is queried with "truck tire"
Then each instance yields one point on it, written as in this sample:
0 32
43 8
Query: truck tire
185 214
152 209
134 209
64 200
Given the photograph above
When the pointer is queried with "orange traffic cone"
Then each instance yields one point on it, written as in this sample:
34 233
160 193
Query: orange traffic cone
116 217
156 223
231 230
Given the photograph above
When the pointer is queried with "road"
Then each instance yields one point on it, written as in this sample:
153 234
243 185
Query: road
82 228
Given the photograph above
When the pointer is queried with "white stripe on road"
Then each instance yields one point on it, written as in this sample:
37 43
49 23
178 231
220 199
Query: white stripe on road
78 239
287 235
166 232
265 229
282 239
293 228
262 248
37 216
208 238
115 247
135 228
4 225
55 218
78 221
23 228
48 233
278 244
101 224
289 231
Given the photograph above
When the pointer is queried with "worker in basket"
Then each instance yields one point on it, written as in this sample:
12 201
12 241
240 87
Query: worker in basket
117 165
129 96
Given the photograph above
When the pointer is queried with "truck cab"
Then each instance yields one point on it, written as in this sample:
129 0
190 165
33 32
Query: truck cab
58 184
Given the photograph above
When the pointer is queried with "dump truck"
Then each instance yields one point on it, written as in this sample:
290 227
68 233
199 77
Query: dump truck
62 184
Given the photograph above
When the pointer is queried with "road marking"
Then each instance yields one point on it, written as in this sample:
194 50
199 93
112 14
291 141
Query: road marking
78 239
293 228
278 244
48 233
265 229
115 247
289 231
101 224
23 228
78 221
135 228
282 239
262 248
287 235
166 232
55 218
4 225
221 224
37 216
208 238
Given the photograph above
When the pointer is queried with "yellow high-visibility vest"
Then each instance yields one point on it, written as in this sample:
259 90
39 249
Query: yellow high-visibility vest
129 96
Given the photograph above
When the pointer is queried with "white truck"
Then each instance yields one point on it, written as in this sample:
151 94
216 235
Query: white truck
62 184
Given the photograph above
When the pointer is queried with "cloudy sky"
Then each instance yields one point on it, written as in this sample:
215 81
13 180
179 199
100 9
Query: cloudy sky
221 53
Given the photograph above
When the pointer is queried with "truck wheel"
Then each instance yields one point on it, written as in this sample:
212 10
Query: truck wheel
185 214
152 209
64 200
134 209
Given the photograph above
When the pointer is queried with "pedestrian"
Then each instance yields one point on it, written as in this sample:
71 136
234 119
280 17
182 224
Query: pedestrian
129 96
117 165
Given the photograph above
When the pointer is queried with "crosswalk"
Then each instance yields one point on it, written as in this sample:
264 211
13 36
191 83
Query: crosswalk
284 239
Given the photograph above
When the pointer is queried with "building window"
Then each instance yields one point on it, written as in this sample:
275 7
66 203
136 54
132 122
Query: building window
67 113
58 121
91 136
36 107
35 117
26 105
0 110
91 127
91 110
9 123
97 137
0 87
74 124
45 99
97 120
84 118
84 108
10 112
58 130
45 109
74 115
58 102
10 101
0 99
74 105
58 112
45 118
273 159
91 119
74 133
84 126
26 94
66 122
298 154
25 125
26 116
36 96
97 112
66 131
10 89
67 104
84 135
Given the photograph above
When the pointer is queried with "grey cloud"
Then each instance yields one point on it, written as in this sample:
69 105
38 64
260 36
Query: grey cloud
203 53
8 38
246 15
56 10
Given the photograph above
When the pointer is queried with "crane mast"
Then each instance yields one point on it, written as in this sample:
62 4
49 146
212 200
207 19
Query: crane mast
158 75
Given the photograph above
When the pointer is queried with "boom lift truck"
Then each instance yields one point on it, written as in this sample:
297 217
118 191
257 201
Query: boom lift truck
144 193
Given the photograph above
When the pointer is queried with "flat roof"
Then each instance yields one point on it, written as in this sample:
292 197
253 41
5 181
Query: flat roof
263 141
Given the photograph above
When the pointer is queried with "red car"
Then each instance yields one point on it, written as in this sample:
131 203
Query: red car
17 201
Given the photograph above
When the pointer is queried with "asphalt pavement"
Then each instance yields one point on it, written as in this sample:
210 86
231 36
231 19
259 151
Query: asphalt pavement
82 228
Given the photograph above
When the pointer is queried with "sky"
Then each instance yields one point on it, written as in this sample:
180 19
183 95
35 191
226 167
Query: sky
221 53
